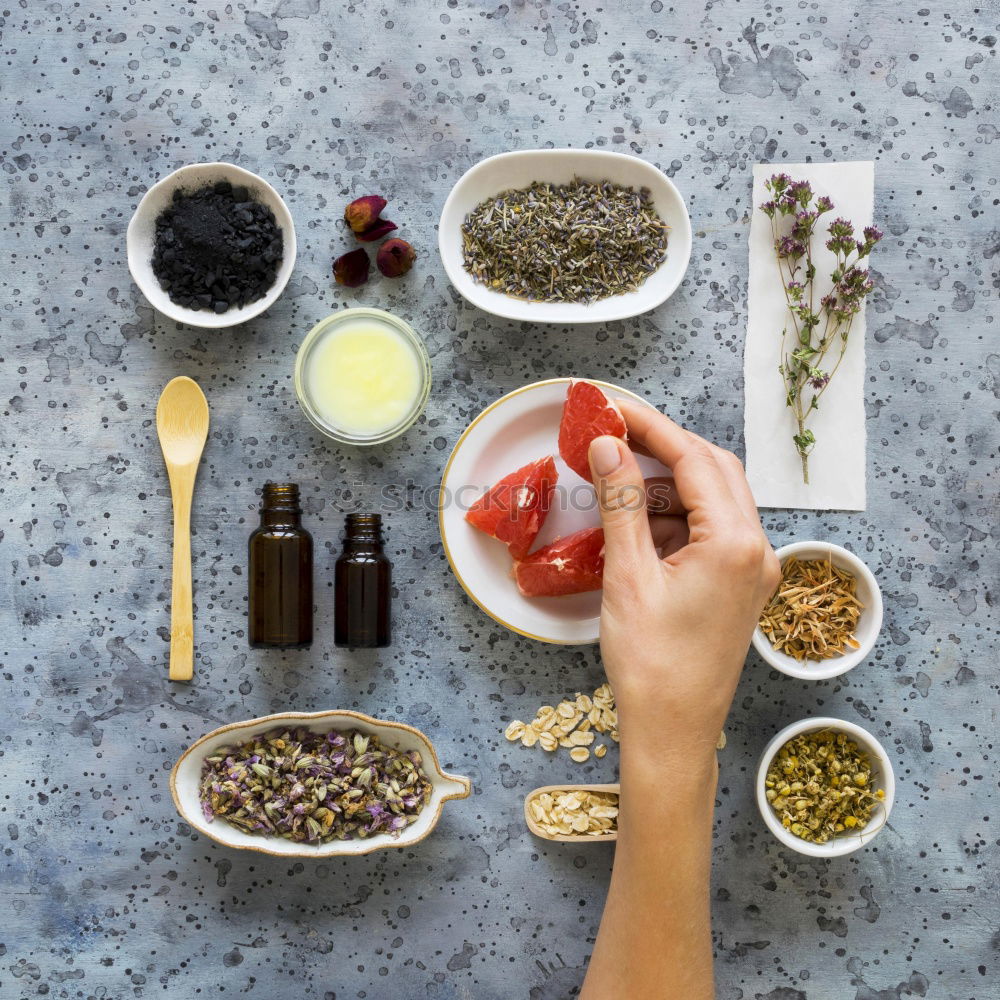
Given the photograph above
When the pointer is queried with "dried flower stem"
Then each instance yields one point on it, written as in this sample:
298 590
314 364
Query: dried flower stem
801 368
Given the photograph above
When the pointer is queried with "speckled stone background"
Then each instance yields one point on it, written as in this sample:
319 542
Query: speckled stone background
106 893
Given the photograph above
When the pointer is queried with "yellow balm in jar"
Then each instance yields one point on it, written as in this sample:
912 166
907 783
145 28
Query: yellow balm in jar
362 376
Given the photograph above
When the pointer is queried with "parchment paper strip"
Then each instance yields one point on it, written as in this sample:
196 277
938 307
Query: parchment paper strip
837 463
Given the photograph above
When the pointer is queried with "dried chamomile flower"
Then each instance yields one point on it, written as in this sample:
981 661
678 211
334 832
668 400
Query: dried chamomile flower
819 785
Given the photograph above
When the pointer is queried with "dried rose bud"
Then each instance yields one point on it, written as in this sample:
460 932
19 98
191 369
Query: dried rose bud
376 231
395 257
364 212
362 216
352 269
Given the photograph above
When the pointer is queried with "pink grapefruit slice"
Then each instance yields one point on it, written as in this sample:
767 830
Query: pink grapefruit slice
570 565
587 414
514 510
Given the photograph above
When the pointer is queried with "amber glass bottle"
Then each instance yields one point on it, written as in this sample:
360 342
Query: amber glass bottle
281 572
362 580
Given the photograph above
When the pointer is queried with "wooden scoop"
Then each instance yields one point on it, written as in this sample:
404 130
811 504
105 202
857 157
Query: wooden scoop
569 838
182 425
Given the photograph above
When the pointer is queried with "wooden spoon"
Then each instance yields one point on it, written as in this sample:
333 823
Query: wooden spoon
182 425
568 838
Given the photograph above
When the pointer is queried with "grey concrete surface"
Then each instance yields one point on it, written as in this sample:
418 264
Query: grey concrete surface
107 894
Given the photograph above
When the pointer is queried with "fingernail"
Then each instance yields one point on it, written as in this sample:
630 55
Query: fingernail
604 455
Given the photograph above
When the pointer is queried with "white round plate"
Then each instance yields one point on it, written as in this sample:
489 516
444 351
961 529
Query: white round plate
519 428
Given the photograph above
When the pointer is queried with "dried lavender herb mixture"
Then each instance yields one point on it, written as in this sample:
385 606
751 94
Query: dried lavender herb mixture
314 787
565 242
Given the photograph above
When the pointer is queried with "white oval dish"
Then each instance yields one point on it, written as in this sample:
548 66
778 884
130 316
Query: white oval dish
881 771
142 232
869 624
185 780
519 169
519 428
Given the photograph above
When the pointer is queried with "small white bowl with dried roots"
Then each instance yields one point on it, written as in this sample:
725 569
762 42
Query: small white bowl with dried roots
185 783
868 627
882 778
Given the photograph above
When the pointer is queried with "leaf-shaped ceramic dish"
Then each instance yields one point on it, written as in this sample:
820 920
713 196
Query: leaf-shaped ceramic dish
186 778
568 838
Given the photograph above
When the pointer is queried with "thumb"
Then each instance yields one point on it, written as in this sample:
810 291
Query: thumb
621 495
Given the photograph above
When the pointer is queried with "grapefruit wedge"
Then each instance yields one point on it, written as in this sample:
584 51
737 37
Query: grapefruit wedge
515 509
587 414
570 565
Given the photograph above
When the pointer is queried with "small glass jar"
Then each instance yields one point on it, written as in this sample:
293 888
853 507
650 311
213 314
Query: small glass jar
310 358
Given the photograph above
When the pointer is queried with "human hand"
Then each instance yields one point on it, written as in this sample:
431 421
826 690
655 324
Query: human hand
682 595
676 625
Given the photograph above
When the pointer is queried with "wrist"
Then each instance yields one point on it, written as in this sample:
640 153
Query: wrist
657 737
686 776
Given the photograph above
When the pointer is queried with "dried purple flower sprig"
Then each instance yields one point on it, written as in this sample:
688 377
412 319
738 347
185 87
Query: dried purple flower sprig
314 787
794 218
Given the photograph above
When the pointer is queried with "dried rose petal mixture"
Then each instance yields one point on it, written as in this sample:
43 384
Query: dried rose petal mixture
314 787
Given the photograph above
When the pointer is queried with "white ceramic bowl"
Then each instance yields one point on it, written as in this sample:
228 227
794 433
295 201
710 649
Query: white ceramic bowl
142 232
869 624
185 780
519 428
882 774
559 166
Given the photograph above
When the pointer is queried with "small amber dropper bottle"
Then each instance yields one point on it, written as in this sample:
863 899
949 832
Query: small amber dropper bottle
362 581
281 572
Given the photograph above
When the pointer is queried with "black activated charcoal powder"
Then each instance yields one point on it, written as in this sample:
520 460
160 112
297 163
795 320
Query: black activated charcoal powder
216 248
